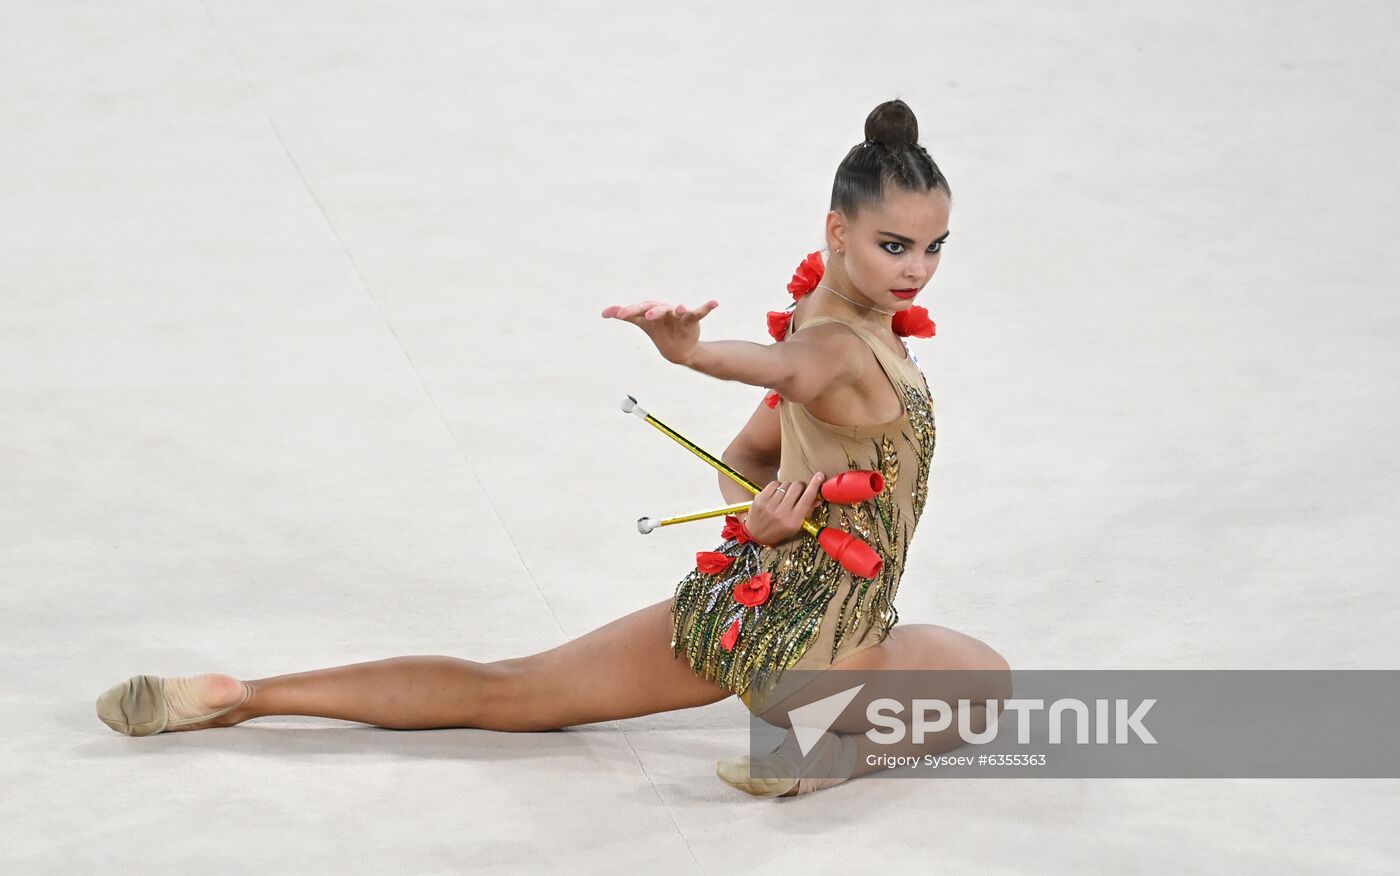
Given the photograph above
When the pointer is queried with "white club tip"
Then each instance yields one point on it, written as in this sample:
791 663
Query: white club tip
645 525
630 406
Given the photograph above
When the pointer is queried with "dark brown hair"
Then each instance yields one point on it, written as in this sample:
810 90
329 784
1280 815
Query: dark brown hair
890 155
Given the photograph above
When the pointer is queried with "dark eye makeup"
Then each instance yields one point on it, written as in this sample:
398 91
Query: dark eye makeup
936 246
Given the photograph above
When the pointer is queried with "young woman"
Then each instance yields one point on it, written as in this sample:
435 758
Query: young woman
768 600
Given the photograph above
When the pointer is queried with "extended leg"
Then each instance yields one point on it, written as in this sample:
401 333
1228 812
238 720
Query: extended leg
620 670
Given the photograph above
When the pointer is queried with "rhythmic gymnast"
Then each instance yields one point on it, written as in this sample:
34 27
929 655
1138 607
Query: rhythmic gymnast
844 393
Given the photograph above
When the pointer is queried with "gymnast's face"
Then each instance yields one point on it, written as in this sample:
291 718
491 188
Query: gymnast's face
892 246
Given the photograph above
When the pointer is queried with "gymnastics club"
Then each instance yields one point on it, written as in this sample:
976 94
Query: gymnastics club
854 555
847 488
645 525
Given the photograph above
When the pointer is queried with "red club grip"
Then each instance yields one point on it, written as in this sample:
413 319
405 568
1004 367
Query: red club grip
854 555
850 487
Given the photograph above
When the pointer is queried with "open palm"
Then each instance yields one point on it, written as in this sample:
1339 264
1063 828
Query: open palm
674 330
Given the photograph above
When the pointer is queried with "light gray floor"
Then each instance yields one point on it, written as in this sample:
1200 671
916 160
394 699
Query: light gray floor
301 365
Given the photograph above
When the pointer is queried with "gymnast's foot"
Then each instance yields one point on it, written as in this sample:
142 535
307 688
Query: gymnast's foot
784 772
144 705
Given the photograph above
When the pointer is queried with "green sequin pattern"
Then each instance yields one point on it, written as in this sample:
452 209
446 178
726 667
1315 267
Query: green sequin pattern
775 635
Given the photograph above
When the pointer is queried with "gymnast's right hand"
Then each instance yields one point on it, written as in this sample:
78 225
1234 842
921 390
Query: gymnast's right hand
779 509
674 330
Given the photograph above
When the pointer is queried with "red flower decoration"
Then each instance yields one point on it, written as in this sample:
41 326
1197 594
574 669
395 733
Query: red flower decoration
807 276
734 528
731 636
712 562
772 399
754 591
778 323
913 322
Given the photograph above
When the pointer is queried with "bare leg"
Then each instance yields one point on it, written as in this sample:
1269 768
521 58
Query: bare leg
913 646
981 674
623 669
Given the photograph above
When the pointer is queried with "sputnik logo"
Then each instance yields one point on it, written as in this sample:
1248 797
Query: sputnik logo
809 722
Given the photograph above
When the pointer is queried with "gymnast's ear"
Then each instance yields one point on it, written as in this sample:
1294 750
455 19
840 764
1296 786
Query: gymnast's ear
837 230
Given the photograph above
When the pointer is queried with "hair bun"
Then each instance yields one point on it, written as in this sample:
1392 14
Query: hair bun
892 123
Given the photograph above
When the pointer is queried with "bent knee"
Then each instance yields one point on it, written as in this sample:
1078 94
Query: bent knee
993 670
999 676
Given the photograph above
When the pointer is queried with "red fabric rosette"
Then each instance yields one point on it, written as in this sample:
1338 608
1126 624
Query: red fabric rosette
913 322
730 637
778 323
772 399
755 591
735 528
807 275
712 562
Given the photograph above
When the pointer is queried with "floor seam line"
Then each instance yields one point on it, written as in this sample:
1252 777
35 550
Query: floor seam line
662 800
364 286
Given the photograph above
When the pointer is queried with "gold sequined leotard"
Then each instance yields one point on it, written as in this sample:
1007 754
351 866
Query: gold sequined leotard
817 613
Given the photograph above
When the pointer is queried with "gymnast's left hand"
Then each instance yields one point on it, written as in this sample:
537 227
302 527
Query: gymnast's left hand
672 328
778 510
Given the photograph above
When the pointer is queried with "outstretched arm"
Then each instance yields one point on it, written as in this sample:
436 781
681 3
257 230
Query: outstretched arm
800 368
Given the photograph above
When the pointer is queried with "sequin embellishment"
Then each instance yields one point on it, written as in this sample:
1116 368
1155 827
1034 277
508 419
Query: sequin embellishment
772 637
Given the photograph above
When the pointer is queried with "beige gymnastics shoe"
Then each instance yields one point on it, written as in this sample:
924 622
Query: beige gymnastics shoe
831 762
776 778
145 705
